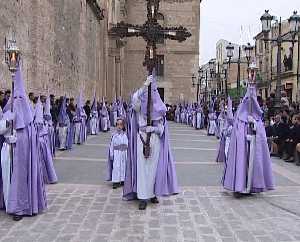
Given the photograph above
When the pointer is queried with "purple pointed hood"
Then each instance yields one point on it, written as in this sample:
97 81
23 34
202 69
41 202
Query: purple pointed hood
230 117
38 117
159 109
22 107
249 103
47 110
63 116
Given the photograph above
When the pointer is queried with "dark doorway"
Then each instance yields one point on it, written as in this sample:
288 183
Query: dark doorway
161 92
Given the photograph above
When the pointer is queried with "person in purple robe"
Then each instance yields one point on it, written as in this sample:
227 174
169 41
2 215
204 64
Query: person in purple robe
226 133
63 122
104 117
114 113
220 125
177 114
94 121
80 122
44 146
248 166
27 195
49 125
148 178
211 127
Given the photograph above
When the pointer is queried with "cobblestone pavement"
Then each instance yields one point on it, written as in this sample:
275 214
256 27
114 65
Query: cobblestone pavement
84 208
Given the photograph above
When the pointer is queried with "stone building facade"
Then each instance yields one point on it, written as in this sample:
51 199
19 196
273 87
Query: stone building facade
266 57
66 47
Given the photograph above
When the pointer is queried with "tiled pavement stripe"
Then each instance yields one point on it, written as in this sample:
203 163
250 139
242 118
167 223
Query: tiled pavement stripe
105 160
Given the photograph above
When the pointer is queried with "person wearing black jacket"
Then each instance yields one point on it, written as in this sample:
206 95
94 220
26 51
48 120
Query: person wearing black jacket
293 138
87 109
280 133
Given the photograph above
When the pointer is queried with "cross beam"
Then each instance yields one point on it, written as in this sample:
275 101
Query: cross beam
152 32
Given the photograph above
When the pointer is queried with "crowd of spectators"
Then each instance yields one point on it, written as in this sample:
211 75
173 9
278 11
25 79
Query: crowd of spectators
283 128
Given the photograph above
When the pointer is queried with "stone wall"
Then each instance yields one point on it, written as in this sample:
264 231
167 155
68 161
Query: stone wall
66 49
60 43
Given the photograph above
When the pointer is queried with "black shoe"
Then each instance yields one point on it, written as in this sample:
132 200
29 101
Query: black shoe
286 157
115 185
154 200
121 184
237 195
298 164
142 205
290 160
17 218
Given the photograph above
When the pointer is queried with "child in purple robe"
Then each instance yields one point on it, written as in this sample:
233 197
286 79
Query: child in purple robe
118 155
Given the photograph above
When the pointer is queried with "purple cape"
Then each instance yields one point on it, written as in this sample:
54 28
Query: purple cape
235 168
27 190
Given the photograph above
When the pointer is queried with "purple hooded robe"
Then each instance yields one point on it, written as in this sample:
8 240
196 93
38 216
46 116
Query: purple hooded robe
81 118
226 133
166 178
27 194
235 167
44 145
49 124
64 121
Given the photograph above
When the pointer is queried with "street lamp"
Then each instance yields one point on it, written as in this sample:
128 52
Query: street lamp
199 82
225 75
12 59
248 50
229 50
294 22
266 21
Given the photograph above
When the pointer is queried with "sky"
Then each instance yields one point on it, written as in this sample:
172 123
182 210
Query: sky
237 21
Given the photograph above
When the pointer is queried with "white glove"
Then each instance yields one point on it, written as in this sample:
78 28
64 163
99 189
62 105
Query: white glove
9 116
253 121
148 81
150 129
11 138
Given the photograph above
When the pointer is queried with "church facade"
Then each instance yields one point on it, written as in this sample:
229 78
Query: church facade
68 45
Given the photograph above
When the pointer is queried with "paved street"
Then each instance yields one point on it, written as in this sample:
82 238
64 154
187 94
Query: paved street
83 207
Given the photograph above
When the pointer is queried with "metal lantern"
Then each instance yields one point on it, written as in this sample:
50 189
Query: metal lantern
248 49
294 22
230 49
12 53
252 70
266 21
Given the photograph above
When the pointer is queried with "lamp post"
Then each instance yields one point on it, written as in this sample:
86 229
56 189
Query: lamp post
249 53
199 82
294 22
212 70
225 76
12 59
248 50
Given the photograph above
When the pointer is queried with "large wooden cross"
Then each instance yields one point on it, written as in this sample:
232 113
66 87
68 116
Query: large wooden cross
152 32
